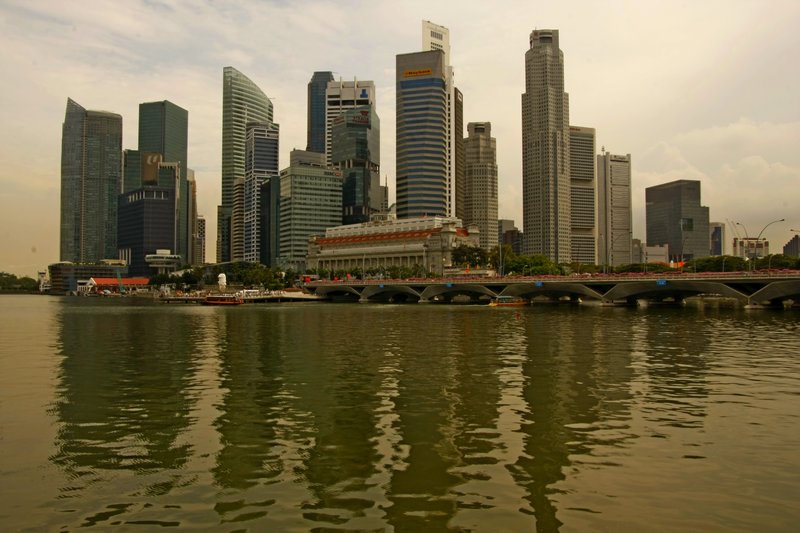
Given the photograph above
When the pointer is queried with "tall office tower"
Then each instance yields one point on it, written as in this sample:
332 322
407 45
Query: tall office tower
310 202
675 217
341 96
614 213
546 217
191 217
356 152
436 37
242 102
200 241
316 111
421 139
261 165
583 188
164 131
480 207
717 238
149 216
457 140
91 178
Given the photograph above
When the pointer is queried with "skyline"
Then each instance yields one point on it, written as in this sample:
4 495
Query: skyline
687 94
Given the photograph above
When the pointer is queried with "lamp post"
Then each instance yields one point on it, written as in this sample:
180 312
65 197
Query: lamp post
762 231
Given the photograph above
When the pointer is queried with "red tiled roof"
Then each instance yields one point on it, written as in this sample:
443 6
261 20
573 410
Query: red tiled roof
376 237
124 281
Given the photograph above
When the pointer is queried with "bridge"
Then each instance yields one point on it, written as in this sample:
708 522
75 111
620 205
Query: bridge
752 289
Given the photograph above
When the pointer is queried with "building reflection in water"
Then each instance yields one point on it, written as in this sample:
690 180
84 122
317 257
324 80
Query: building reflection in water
121 401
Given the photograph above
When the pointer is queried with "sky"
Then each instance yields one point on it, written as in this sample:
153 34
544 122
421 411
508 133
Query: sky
705 90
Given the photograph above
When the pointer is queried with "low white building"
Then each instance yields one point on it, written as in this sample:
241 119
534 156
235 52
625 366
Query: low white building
387 241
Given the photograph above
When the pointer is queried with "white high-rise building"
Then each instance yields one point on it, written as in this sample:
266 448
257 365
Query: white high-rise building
341 96
614 214
546 198
435 37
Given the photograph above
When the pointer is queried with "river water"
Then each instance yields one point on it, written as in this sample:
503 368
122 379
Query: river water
367 417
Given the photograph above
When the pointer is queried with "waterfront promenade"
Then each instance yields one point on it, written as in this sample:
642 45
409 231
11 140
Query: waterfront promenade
754 289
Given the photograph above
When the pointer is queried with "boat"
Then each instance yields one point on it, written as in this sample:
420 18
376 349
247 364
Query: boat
222 299
508 301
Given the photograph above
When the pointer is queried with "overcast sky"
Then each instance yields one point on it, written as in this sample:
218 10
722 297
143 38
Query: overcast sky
706 90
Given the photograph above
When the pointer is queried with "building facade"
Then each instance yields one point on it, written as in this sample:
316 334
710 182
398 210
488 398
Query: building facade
480 196
341 96
614 213
242 102
717 238
583 195
675 217
310 202
436 37
315 137
91 181
546 204
421 135
427 242
262 143
164 131
356 153
149 220
792 248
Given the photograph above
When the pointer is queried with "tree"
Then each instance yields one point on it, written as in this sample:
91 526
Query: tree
465 255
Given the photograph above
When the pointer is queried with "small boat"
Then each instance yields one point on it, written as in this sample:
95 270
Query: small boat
508 301
222 299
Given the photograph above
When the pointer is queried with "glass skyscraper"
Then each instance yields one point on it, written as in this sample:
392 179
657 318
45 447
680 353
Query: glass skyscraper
422 135
316 111
242 102
91 178
355 151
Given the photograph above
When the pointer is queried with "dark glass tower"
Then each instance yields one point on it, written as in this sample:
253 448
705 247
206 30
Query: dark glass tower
164 129
355 151
91 177
316 111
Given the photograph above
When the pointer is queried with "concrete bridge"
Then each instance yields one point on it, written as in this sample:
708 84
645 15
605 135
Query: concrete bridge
759 288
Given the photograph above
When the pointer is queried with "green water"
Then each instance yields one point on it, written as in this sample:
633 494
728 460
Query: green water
357 417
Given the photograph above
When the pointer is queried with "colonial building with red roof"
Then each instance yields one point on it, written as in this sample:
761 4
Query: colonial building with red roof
423 241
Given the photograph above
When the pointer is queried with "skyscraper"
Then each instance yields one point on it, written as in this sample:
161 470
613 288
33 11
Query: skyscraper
614 213
261 165
355 151
158 205
341 96
164 130
480 206
421 140
675 217
436 37
582 194
310 202
316 111
91 179
242 102
546 217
